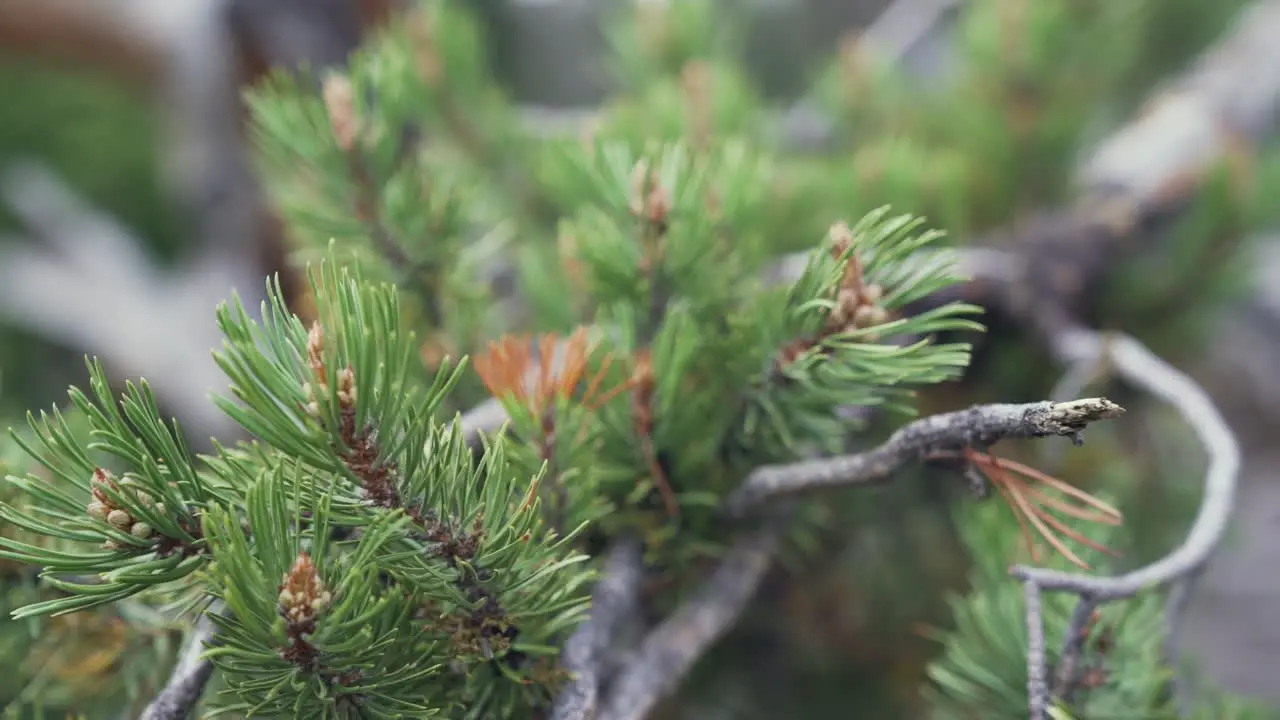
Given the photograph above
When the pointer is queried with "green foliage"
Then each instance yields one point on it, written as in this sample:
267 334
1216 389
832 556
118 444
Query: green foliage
797 402
144 526
983 663
371 565
365 656
110 657
452 564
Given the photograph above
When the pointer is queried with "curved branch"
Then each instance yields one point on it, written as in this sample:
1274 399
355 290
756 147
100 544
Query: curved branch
1129 360
670 651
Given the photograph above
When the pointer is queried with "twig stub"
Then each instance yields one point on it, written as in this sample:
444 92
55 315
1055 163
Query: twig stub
978 427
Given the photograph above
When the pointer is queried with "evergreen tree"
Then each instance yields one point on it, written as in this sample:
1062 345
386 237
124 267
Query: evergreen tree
375 549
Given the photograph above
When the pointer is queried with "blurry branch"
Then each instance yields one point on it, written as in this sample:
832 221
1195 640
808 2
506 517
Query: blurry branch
1142 178
484 419
186 684
127 37
905 34
906 25
906 30
614 600
668 653
91 287
302 33
182 51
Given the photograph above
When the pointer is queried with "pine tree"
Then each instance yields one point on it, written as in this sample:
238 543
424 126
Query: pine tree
374 549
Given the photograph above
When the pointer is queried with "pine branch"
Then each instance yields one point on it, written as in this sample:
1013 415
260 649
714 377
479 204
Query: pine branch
671 650
1146 174
615 598
668 653
978 427
188 680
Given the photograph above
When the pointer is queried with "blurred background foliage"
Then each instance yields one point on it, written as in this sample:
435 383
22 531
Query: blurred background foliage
101 135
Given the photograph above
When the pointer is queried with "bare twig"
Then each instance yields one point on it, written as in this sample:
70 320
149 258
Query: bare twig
1073 647
978 427
1036 682
187 681
1135 364
614 599
669 652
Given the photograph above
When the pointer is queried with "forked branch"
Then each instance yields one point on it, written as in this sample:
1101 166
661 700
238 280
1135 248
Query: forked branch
1134 364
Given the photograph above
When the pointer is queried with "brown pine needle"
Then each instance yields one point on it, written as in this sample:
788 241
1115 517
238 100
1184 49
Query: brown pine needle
1033 549
1027 491
1043 529
1069 509
1053 482
1032 505
660 480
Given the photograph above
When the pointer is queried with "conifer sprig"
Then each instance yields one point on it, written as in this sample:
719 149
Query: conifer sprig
830 341
311 633
127 503
487 575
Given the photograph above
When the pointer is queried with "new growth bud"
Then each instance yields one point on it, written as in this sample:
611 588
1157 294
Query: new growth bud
120 519
347 387
340 103
347 395
303 595
650 199
315 348
104 509
857 301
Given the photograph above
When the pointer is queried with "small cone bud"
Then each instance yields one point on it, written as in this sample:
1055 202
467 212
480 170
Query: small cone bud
120 519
